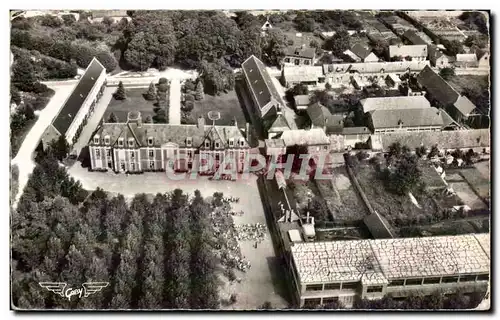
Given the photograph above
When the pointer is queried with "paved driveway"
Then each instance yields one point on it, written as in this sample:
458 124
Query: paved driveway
174 110
95 119
24 156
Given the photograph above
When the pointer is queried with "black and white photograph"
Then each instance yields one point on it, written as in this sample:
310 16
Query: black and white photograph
249 160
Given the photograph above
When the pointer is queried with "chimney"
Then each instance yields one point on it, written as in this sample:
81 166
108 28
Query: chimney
247 131
312 221
307 218
400 123
201 123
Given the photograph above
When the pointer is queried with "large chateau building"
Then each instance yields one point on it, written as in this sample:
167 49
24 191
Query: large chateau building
137 147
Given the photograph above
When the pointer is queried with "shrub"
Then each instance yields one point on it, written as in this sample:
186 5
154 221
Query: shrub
189 97
233 298
362 155
188 106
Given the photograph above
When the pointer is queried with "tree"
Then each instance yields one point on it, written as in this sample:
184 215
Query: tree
421 151
23 74
112 118
50 21
140 54
447 73
453 47
28 112
107 60
69 19
328 86
476 41
149 119
406 175
199 91
59 148
160 117
15 96
217 77
304 24
314 43
120 93
273 46
151 94
338 43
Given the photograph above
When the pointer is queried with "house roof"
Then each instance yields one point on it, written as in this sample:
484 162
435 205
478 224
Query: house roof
302 73
69 110
167 133
355 130
394 78
302 100
360 51
374 67
261 84
109 13
443 139
413 37
406 118
418 50
304 137
279 124
464 105
381 260
394 103
300 52
321 117
378 226
437 87
466 57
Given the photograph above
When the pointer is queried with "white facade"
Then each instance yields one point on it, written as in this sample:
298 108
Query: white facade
84 110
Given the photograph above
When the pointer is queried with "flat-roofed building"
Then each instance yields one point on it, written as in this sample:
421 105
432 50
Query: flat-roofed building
371 269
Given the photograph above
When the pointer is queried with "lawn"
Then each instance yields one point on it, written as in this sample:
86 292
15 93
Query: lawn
471 82
134 102
341 197
227 104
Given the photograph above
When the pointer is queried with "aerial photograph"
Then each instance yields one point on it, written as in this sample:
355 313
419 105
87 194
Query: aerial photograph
250 160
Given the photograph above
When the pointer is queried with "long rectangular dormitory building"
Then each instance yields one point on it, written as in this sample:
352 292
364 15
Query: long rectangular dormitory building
344 270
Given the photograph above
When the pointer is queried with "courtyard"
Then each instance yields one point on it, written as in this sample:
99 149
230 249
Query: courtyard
227 104
259 283
135 102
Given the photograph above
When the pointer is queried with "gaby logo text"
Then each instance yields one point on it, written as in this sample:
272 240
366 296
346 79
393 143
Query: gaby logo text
85 290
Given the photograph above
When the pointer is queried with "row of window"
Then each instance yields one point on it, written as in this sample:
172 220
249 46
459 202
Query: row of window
332 286
436 280
297 61
189 142
151 154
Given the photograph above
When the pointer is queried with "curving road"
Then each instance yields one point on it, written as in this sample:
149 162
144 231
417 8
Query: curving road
24 157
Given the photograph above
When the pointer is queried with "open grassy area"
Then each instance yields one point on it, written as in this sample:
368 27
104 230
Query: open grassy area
400 210
227 104
448 228
471 82
134 102
341 197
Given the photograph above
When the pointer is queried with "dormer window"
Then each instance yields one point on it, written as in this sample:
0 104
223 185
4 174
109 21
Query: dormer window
120 142
242 142
207 144
96 139
106 140
150 141
217 145
189 141
131 142
231 142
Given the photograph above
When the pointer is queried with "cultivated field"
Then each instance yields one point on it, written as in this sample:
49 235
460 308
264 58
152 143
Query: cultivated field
341 197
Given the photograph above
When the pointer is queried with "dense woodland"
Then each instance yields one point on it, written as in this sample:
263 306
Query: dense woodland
154 252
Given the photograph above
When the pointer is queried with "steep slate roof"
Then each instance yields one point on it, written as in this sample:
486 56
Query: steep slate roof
300 52
394 103
411 50
443 139
279 124
261 84
408 117
73 104
360 51
466 57
413 37
464 105
167 133
437 87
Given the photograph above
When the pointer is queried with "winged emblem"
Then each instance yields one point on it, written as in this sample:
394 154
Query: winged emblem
56 287
93 287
